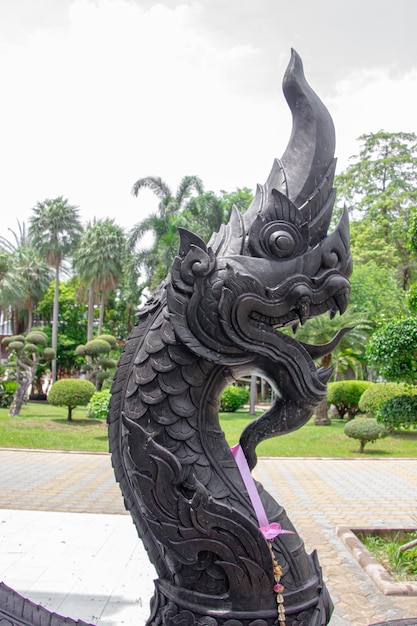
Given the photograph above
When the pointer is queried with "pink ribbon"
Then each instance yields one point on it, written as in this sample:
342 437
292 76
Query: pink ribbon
269 531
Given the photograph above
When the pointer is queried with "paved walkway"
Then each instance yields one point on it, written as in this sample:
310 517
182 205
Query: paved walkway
57 550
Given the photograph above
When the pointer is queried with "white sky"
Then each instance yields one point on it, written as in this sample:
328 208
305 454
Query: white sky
98 93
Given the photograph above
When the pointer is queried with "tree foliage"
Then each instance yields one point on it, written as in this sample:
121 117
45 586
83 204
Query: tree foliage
162 223
392 350
98 259
24 278
26 353
398 412
379 189
365 429
233 397
378 393
98 406
189 207
349 355
208 211
345 395
98 364
376 294
71 392
55 229
72 322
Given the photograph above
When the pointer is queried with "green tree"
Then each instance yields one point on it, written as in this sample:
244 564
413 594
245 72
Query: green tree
24 280
27 353
55 229
160 222
119 316
376 294
379 189
345 396
98 363
71 392
366 430
4 263
392 350
209 211
72 322
98 260
350 353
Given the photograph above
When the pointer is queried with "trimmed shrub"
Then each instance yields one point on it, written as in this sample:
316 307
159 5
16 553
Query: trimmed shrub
98 406
365 429
6 341
398 412
378 393
37 337
110 340
7 390
30 348
233 397
345 396
71 392
99 362
93 348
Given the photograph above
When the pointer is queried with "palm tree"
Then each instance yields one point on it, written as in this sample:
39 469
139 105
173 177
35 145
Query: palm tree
349 354
351 349
55 229
209 211
99 262
160 222
25 280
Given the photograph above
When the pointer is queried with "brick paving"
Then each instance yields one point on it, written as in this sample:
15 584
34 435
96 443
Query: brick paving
319 495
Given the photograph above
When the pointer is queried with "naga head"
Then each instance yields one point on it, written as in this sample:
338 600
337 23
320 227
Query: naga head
274 266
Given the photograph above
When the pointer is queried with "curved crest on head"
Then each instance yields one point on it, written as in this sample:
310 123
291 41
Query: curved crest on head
304 174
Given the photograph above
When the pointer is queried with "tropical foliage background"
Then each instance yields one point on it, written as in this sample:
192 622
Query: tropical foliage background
77 281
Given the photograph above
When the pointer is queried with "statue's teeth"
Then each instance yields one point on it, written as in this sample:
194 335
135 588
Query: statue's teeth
341 300
303 309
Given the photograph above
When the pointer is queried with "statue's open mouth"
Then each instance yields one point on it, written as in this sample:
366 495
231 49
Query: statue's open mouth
299 300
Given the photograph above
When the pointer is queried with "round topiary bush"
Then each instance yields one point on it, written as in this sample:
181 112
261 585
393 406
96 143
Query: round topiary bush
233 397
345 396
8 340
99 404
30 348
378 393
398 412
37 337
71 392
110 340
15 345
365 429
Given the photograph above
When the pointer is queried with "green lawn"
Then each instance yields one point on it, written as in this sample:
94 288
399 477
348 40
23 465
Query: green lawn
46 427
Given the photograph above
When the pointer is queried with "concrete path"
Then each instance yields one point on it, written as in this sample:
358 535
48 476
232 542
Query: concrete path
67 542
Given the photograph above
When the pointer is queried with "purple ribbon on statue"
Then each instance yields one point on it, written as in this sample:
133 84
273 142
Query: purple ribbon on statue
269 531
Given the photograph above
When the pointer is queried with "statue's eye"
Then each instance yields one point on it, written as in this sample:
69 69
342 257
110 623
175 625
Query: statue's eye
279 239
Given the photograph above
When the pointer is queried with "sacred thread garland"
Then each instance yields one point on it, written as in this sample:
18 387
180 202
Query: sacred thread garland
269 531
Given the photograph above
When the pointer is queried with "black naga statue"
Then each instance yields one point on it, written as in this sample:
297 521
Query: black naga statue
225 552
215 318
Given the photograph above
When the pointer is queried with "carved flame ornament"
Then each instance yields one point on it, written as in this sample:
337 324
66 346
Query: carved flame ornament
216 317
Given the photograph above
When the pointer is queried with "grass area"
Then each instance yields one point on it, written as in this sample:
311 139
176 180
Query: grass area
46 427
322 441
402 565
